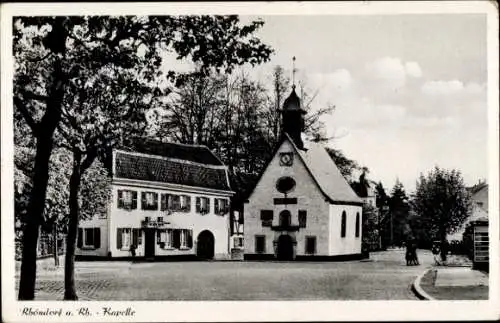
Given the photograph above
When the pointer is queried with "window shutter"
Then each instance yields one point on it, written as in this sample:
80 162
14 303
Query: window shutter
135 238
198 204
163 205
177 239
216 206
188 203
155 199
134 200
118 238
97 238
120 199
189 239
80 238
143 201
207 209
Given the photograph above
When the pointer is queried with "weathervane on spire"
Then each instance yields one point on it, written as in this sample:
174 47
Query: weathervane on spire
293 73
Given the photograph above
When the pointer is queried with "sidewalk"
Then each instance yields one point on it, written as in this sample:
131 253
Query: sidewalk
452 283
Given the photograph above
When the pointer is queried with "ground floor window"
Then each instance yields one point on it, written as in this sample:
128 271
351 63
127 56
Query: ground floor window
123 238
89 238
175 238
310 245
238 242
260 244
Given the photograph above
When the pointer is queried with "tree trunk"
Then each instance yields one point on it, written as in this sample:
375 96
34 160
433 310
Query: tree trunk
36 205
56 42
69 264
444 245
56 254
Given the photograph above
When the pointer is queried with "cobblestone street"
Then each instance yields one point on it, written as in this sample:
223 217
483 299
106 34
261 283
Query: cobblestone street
384 276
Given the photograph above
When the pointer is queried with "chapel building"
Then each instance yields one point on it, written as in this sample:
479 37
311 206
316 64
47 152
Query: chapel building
301 207
167 200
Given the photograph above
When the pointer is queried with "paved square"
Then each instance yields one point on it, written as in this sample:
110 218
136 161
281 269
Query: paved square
385 276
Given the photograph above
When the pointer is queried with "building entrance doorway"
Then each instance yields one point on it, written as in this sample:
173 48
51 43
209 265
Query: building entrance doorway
285 247
149 243
205 245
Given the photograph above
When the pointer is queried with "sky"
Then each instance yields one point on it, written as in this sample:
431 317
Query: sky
409 90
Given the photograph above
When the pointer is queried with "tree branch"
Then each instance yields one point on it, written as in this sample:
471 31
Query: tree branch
26 115
39 59
34 96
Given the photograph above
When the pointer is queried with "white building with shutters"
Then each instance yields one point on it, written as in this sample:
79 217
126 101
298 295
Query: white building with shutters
168 200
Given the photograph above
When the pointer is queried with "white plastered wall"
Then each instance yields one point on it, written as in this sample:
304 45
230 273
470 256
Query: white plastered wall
309 198
218 225
350 244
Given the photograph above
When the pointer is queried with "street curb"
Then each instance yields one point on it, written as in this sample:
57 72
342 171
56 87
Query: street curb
418 290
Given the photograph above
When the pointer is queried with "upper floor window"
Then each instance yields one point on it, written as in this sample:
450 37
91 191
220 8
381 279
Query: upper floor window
343 224
285 218
202 205
149 200
302 218
127 199
266 216
221 206
174 202
357 225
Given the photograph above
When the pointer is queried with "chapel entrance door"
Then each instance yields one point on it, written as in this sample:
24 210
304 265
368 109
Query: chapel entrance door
285 248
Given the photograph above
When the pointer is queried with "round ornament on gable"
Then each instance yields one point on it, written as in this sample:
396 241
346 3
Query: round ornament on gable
285 184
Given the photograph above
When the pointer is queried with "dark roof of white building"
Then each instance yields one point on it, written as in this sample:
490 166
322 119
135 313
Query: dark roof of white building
187 165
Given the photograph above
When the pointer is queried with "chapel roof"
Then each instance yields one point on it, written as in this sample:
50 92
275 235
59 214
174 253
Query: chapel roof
327 175
194 166
324 172
292 102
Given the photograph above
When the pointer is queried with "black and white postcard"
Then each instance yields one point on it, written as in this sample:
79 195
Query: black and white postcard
250 161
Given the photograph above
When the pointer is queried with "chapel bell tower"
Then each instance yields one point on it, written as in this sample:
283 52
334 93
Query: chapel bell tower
293 116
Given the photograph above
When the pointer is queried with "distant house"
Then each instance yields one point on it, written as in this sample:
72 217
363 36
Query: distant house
167 200
301 206
479 209
365 189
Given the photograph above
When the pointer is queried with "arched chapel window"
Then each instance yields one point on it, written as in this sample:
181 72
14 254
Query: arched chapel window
343 224
285 218
357 225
